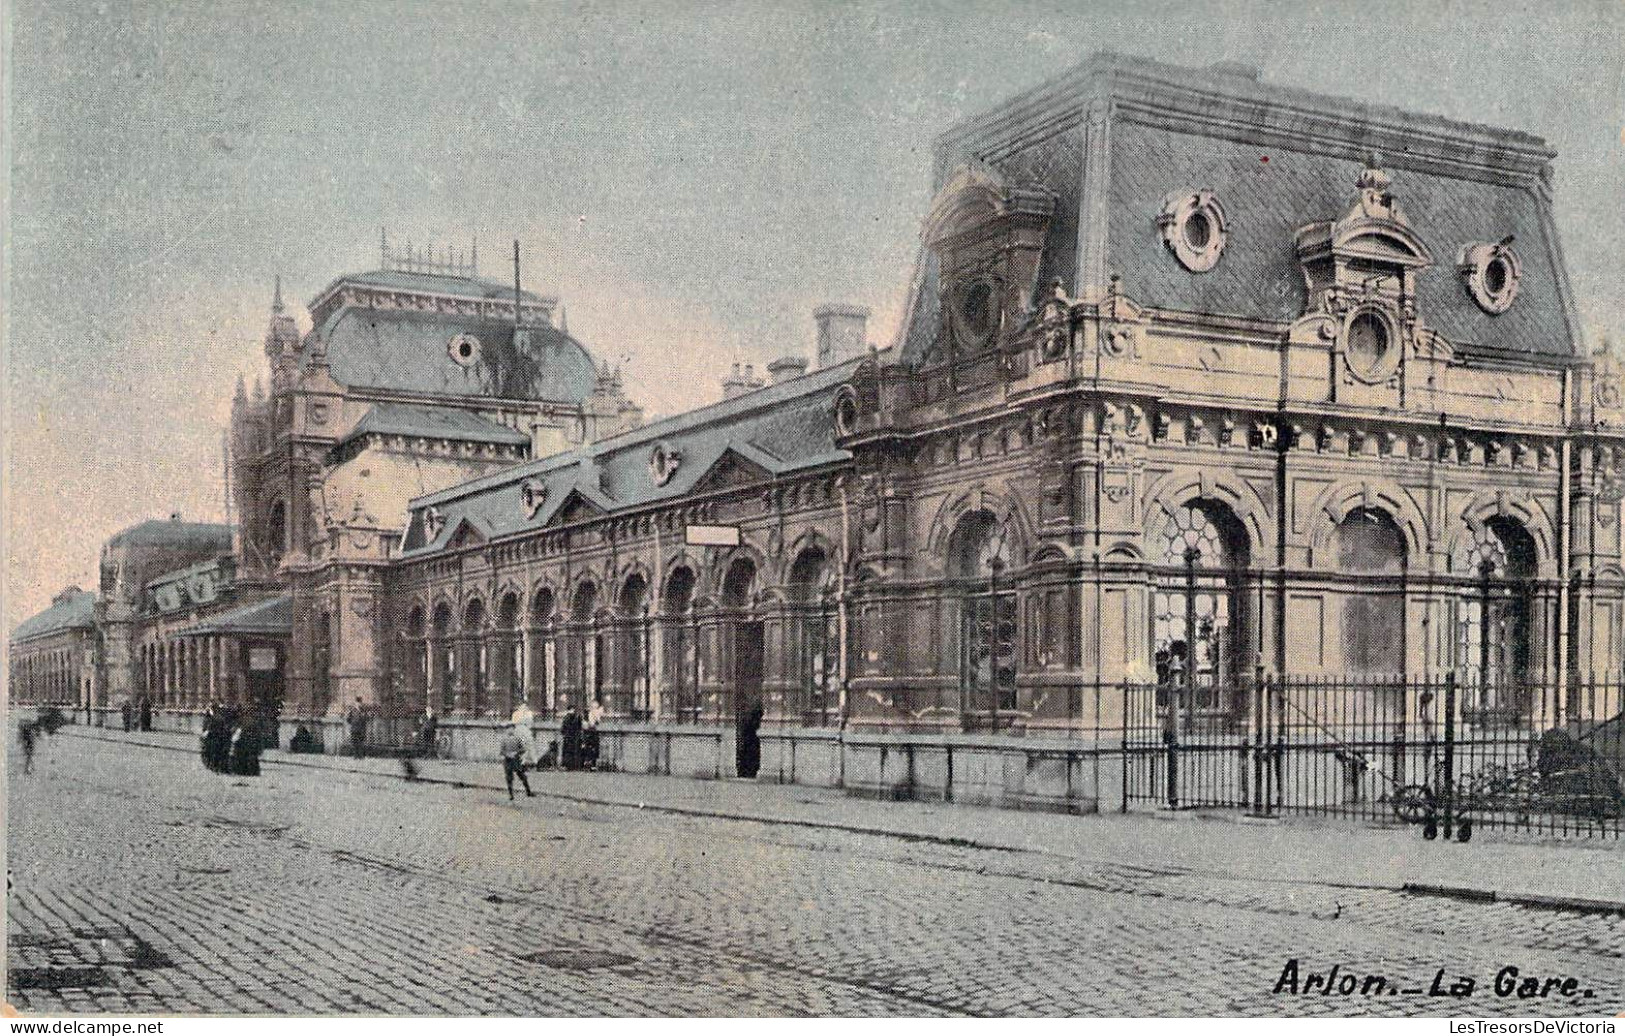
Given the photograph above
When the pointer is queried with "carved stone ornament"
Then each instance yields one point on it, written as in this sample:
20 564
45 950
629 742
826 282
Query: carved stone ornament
1193 227
846 410
362 606
1608 392
663 463
433 523
1055 323
1491 274
532 495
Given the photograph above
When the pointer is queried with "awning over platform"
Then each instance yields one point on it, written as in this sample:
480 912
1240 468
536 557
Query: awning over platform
272 617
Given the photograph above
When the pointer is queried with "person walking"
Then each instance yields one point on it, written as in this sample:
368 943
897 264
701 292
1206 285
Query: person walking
124 713
428 729
357 719
146 714
28 732
513 762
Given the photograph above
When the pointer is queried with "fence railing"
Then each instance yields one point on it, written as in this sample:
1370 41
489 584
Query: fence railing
1444 753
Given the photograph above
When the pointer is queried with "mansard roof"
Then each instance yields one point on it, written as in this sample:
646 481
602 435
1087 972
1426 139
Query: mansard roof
407 350
73 610
781 429
174 533
1116 137
429 422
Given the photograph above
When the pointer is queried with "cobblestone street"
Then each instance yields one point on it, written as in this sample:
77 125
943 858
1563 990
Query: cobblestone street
142 883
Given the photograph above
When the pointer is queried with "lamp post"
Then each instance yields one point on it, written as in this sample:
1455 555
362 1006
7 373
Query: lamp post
1486 569
1192 555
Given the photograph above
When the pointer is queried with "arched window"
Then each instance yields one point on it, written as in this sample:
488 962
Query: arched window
511 650
446 662
587 660
1370 545
632 650
417 653
1201 628
542 655
738 583
1496 611
475 668
676 602
276 534
814 635
979 559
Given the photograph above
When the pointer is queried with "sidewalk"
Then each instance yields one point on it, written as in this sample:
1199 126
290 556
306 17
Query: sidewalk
1554 872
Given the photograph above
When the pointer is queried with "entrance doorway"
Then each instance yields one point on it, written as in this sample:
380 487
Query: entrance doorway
265 690
747 674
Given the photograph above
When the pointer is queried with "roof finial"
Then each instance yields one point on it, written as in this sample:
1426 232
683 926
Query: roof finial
474 258
383 247
276 302
564 321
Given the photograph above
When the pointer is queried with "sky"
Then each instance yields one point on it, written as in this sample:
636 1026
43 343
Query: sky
691 179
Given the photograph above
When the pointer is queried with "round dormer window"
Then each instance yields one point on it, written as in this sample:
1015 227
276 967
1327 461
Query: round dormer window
1370 347
663 463
1491 274
976 313
1193 228
464 350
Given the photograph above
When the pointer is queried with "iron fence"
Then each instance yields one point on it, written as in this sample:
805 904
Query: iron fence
1447 754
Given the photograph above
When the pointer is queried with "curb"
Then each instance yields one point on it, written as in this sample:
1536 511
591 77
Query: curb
951 841
1567 904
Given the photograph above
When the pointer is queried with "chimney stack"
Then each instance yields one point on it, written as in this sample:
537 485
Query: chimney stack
786 367
740 381
842 333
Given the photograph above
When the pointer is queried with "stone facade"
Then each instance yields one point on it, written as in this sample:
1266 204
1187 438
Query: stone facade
1199 379
1191 385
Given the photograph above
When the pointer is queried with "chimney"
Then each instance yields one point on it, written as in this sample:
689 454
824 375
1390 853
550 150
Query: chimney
786 367
842 333
740 381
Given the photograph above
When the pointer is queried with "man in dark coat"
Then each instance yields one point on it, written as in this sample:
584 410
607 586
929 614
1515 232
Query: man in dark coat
210 744
245 750
146 713
124 713
428 729
570 735
357 719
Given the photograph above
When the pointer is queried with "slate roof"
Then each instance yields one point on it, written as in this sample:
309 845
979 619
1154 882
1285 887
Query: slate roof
406 350
427 422
779 429
271 617
170 533
76 612
1265 203
1176 129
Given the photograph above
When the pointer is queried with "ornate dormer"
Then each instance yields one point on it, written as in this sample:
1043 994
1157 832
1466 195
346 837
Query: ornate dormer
987 236
1360 275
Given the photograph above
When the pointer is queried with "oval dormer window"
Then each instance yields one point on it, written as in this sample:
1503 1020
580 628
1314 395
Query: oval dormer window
1369 346
1193 228
1491 274
976 313
464 350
